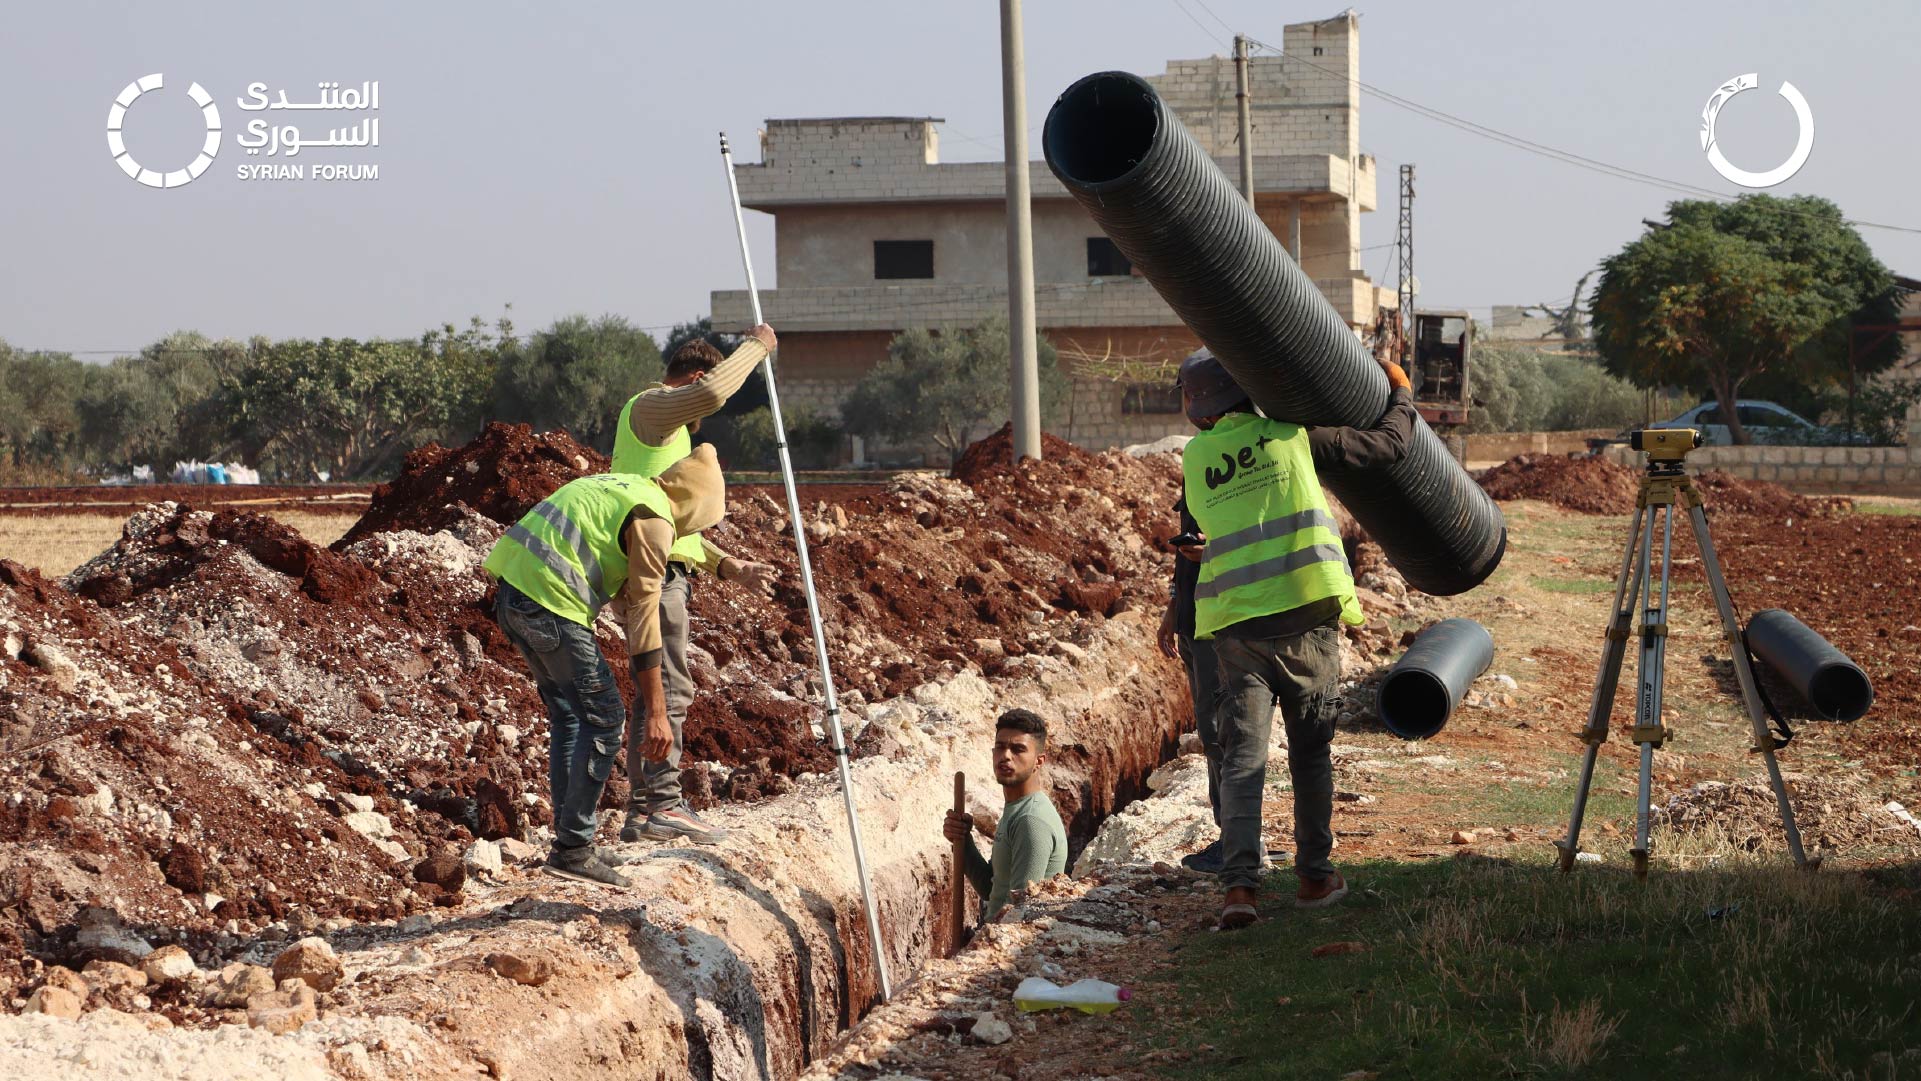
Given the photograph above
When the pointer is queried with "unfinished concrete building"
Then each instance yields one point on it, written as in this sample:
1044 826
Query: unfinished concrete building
874 235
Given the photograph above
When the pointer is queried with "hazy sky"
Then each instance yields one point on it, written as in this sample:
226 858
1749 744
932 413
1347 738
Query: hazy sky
562 157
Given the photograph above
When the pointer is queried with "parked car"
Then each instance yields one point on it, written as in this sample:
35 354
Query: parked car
1765 422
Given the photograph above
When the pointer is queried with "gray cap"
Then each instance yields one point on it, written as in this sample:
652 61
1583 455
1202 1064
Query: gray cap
1207 390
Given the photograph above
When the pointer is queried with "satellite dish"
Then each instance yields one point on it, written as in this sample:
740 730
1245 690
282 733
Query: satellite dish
1415 284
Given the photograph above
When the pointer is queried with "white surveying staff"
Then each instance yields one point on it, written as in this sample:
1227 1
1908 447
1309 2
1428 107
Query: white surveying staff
813 603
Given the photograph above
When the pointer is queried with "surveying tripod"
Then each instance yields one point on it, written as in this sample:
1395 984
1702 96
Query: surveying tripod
1664 487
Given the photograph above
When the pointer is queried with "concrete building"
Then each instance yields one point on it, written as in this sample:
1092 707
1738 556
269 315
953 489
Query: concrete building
874 235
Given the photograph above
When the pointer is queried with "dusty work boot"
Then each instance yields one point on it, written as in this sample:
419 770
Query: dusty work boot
583 864
681 823
1320 892
634 829
1238 912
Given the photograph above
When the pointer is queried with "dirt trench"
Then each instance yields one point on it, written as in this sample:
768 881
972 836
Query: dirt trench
748 960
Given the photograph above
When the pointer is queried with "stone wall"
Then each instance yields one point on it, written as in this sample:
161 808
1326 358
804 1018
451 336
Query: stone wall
1885 470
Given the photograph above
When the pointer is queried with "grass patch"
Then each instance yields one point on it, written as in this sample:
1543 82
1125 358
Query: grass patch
1903 510
1572 585
1481 968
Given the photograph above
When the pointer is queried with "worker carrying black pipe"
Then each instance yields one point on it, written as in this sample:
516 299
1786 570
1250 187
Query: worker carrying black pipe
1273 589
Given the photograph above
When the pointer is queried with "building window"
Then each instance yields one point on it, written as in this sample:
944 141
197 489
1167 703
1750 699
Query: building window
903 258
1150 398
1104 260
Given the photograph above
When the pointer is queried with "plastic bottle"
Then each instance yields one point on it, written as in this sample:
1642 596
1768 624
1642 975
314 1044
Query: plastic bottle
1088 996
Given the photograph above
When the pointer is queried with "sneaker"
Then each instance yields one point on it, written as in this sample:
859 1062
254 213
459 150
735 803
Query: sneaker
614 857
1320 892
1207 861
583 865
681 823
1210 860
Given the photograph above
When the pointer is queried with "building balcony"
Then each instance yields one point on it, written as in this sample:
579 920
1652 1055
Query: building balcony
1107 302
771 187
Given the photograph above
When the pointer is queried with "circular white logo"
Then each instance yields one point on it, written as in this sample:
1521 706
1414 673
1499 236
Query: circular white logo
1802 147
178 177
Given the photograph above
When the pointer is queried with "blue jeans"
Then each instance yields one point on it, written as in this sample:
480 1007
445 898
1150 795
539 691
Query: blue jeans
584 709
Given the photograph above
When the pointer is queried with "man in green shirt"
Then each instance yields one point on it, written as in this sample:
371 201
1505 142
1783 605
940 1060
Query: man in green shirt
1029 843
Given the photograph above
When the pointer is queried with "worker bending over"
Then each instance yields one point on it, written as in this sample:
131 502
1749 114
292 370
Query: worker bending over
596 538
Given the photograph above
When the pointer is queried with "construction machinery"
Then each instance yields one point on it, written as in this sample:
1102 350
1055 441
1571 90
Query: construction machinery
1437 363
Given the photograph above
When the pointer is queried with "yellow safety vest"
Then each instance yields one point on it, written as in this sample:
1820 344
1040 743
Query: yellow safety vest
566 553
646 460
1272 544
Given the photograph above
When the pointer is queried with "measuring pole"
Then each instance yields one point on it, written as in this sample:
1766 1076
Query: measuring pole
813 602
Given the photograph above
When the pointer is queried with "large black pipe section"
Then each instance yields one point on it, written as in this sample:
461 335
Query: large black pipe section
1124 155
1427 684
1835 686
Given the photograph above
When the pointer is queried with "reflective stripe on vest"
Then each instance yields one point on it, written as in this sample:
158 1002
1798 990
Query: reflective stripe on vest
565 554
646 460
1273 546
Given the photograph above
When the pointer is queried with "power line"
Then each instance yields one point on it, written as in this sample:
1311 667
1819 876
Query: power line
1216 18
1199 23
1566 157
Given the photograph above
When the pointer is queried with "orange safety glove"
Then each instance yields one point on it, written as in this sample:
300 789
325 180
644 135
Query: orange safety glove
1396 378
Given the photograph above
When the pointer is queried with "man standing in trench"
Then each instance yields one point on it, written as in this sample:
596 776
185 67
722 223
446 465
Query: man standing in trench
597 537
655 431
1273 589
1029 842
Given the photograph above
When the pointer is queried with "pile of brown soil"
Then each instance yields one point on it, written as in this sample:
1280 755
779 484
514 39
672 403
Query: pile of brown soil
501 474
1598 486
198 721
1589 485
1728 494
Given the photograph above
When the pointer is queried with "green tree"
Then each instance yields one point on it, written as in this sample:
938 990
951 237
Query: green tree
576 375
947 385
702 327
342 407
1724 292
1511 393
41 422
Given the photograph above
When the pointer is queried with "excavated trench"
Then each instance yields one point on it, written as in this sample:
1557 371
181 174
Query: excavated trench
224 737
748 960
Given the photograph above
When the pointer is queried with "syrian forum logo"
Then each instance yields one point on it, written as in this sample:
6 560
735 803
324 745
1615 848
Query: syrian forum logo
273 140
1803 146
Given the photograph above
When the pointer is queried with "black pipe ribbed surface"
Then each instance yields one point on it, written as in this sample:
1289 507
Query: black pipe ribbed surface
1427 684
1127 159
1835 686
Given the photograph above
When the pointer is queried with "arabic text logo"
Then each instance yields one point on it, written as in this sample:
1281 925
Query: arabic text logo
1802 147
115 143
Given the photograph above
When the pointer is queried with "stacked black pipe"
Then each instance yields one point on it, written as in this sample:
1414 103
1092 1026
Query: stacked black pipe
1127 159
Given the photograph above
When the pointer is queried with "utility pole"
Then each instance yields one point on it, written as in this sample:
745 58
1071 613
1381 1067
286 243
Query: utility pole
1247 123
1404 242
1026 396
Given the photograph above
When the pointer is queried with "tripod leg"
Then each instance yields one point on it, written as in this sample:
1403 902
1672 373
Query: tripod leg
1627 596
1744 675
1647 715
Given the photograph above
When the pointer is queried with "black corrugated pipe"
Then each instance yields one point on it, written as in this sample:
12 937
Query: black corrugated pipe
1835 686
1426 685
1124 155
